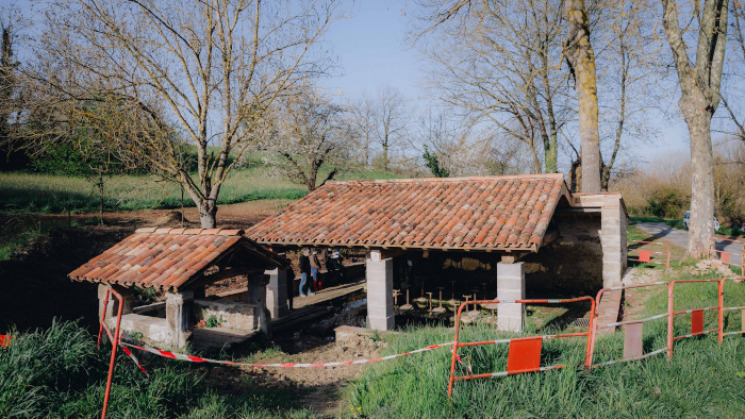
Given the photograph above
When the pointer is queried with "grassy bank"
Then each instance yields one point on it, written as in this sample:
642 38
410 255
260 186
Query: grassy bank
58 372
704 378
27 193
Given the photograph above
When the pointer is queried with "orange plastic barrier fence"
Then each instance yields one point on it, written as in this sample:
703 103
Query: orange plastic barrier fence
741 326
633 329
4 341
524 354
114 338
697 314
728 257
647 256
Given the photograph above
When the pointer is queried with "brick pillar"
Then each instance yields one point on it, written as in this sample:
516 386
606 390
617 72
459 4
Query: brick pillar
276 292
257 286
379 274
613 224
177 318
112 307
510 286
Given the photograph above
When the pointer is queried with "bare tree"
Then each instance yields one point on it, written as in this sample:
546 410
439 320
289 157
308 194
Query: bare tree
581 59
700 83
363 120
737 77
201 73
391 122
310 139
500 63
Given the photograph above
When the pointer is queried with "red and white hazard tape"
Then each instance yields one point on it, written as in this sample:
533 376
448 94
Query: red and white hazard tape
198 359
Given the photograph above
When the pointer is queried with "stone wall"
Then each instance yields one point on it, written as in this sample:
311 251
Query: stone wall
230 314
573 263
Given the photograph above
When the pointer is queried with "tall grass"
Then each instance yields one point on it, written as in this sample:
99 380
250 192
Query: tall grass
58 372
704 378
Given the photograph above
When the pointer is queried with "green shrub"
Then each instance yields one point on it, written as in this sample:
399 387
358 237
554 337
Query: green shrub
667 202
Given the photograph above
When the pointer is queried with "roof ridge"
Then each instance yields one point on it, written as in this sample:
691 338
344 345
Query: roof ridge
192 231
449 179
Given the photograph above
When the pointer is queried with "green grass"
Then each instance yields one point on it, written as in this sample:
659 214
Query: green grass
28 193
59 372
704 378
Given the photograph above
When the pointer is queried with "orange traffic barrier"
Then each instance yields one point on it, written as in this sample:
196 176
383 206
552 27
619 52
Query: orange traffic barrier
633 329
728 257
649 256
113 337
697 314
4 341
741 326
524 353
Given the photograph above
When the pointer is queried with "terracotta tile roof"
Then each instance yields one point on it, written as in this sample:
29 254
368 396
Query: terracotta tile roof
476 213
166 258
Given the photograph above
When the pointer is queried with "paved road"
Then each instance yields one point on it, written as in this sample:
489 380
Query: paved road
680 237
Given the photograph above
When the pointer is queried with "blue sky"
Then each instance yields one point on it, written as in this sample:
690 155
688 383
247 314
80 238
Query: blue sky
372 53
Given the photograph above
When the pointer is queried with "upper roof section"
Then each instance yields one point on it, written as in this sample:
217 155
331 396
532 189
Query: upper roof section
473 213
169 259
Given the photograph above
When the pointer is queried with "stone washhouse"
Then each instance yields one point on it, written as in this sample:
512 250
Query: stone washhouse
180 263
525 223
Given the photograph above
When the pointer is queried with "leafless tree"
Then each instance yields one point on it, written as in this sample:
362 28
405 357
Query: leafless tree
700 76
391 122
501 63
363 120
197 73
737 76
581 58
311 138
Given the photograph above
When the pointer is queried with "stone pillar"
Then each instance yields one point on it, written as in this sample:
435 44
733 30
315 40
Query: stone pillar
379 274
613 224
177 318
112 308
276 292
257 286
510 286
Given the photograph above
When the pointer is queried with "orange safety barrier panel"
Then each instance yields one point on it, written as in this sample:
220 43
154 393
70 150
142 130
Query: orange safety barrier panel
524 354
113 337
728 257
4 341
633 328
741 326
645 256
697 314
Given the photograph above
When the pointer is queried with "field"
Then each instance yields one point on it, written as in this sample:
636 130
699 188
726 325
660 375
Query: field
30 193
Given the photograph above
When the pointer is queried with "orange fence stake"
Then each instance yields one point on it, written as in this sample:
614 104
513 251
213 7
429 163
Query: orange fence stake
4 341
114 338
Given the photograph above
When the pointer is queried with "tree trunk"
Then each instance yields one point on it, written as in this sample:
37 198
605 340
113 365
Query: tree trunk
582 58
207 213
701 226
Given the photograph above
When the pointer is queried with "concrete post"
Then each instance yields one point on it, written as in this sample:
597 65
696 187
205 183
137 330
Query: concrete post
510 286
112 307
177 318
276 292
379 274
613 240
257 286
